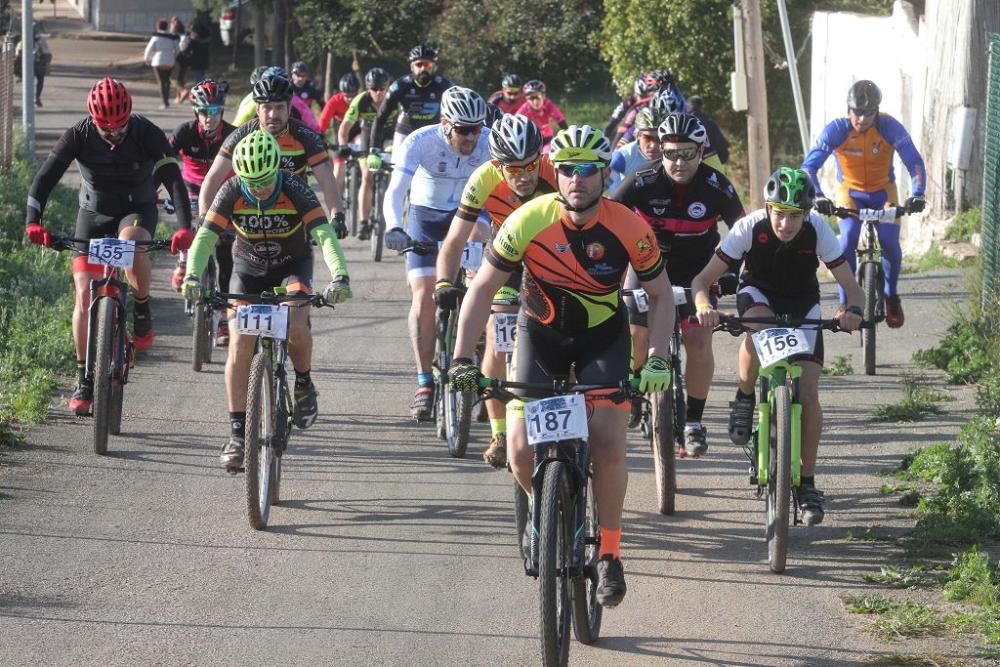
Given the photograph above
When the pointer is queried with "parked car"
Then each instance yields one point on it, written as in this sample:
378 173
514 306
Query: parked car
227 20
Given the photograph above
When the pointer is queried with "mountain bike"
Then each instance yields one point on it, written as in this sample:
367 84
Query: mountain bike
775 447
205 320
565 534
110 350
270 401
352 185
376 216
871 271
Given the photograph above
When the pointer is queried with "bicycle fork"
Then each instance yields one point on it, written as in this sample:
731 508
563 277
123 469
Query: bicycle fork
572 454
759 449
124 359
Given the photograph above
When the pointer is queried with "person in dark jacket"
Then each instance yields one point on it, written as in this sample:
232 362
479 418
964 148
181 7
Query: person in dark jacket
198 54
716 139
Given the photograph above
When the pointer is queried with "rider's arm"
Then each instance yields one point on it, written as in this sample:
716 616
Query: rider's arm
732 208
896 134
647 262
390 102
200 250
402 176
328 185
477 189
834 134
476 305
324 236
56 164
661 313
217 220
217 174
246 112
555 113
326 116
168 173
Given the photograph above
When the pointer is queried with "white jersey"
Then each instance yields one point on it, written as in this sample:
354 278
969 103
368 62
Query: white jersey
432 170
625 161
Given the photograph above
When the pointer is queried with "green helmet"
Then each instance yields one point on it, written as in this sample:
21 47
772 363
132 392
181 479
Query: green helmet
257 157
580 143
790 189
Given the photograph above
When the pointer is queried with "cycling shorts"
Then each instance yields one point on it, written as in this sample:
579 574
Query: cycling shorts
640 319
295 276
600 355
94 225
801 306
427 225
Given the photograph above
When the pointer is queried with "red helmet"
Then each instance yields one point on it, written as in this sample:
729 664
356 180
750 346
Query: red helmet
109 103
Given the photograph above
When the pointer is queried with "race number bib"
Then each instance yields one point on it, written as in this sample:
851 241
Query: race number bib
556 418
112 252
773 345
641 300
879 215
680 295
505 331
472 255
265 320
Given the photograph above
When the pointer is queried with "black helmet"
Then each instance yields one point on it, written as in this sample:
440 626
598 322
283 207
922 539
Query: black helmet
349 84
493 114
422 52
511 81
274 86
864 96
257 73
300 67
376 78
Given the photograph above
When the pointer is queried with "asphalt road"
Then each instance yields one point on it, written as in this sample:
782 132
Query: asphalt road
388 551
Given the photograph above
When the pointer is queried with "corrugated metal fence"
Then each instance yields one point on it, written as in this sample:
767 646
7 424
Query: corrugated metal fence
6 103
991 178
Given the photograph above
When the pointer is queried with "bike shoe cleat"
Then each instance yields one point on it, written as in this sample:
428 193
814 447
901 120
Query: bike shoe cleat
894 317
83 397
222 336
610 581
423 403
306 409
365 231
811 505
635 414
142 324
694 439
177 277
496 453
232 454
741 420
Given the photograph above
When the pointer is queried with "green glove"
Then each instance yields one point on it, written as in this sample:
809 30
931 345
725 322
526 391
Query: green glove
191 288
654 376
339 290
463 375
374 161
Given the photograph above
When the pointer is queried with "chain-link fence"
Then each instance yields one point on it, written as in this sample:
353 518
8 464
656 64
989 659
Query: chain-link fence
991 178
6 103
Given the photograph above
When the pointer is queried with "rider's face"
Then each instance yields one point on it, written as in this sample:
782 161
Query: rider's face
524 182
649 145
273 116
680 159
113 136
462 138
862 119
209 122
785 224
422 70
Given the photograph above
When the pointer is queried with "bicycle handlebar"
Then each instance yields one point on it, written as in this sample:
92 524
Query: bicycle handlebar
734 325
223 298
420 247
879 214
500 389
60 242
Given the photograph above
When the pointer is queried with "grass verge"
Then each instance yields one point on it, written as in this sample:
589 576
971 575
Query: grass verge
919 402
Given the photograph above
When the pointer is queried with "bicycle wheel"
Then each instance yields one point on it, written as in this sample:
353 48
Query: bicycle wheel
201 336
555 541
377 220
103 351
258 454
664 463
779 482
521 514
350 194
282 431
583 592
871 286
457 404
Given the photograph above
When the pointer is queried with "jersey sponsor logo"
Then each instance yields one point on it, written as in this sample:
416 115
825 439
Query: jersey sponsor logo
697 209
762 237
562 247
595 251
288 163
264 223
442 167
659 211
876 147
267 249
645 245
601 269
506 246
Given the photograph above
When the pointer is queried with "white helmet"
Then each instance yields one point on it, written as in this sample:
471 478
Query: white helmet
463 106
514 138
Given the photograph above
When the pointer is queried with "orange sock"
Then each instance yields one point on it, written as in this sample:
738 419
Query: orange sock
611 543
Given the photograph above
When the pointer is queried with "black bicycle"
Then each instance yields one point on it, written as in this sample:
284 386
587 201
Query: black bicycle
376 216
352 188
205 320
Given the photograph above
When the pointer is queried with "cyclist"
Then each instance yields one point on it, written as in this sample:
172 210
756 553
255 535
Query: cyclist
780 247
864 143
516 173
438 160
542 111
363 108
305 87
299 109
123 158
275 214
509 98
669 95
682 199
301 148
416 97
642 90
574 246
646 147
336 107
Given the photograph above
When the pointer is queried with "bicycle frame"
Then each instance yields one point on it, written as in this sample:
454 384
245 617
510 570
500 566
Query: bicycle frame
770 377
109 286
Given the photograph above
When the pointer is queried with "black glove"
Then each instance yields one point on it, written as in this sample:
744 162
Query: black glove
344 151
339 228
728 284
446 294
915 204
824 206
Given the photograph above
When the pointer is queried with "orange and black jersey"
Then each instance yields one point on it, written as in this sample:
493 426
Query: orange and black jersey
488 189
269 234
572 275
300 146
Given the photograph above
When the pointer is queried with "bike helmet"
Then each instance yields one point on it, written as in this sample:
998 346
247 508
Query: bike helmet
681 127
209 93
645 84
463 106
663 77
300 67
376 78
671 98
580 143
864 96
790 189
514 138
422 52
512 81
109 104
493 114
349 84
274 86
257 157
533 86
257 73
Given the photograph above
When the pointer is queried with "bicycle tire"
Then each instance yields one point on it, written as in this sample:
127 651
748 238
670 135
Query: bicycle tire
587 612
282 431
522 515
458 404
377 220
117 399
553 551
779 492
664 449
350 197
257 450
871 285
103 352
201 336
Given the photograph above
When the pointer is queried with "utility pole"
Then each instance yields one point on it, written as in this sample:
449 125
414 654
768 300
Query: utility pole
793 72
28 77
758 144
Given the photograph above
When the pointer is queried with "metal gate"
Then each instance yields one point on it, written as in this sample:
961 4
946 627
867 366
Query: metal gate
991 179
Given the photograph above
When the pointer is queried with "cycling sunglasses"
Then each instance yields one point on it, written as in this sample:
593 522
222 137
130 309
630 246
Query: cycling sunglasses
868 113
466 130
210 110
529 168
423 64
686 154
378 90
534 97
585 169
512 91
260 184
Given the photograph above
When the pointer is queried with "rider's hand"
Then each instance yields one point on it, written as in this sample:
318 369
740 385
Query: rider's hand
446 295
38 234
915 204
708 317
850 319
823 206
181 240
191 288
339 290
396 239
374 160
728 284
344 151
655 375
339 228
463 375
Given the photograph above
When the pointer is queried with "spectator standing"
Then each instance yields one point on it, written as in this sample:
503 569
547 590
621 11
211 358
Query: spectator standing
182 60
198 54
161 55
42 56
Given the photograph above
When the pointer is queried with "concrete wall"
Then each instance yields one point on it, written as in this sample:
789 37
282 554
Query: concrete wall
136 16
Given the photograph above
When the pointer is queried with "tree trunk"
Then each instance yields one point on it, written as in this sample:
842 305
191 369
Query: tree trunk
278 43
259 36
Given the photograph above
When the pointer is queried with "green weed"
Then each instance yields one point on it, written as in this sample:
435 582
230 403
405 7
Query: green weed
934 258
907 619
919 402
964 225
917 576
838 366
871 603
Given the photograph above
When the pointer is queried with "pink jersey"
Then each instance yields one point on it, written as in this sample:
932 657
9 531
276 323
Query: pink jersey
543 117
305 113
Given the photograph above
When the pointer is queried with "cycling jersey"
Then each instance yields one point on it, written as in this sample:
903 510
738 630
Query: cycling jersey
363 108
298 109
309 93
542 117
334 109
683 216
196 150
300 146
620 112
487 189
625 161
864 159
417 105
777 268
572 275
438 173
498 100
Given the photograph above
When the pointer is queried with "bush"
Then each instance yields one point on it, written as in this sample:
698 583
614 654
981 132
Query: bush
964 225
